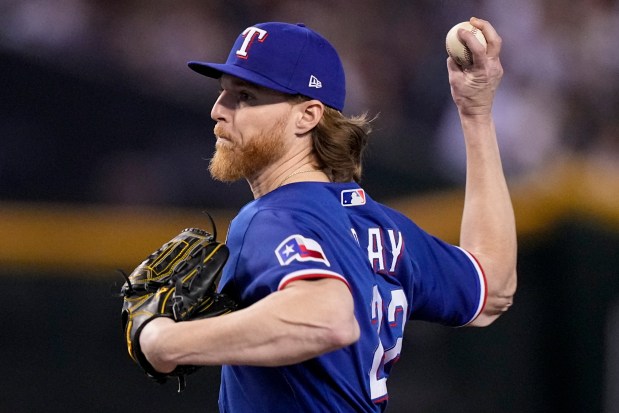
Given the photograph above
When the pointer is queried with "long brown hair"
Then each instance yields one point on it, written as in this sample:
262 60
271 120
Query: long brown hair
339 143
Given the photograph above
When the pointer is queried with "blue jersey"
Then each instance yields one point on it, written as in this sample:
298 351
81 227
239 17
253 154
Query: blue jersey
394 270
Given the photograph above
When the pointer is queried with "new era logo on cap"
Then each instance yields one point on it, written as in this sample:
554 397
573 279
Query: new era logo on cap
314 82
289 58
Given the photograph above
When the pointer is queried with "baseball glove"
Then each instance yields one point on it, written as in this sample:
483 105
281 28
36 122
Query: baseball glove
178 281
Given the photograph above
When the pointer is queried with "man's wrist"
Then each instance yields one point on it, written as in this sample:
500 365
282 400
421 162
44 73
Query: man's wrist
151 339
476 119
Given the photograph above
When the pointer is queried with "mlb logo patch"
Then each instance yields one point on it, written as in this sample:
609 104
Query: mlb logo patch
353 197
297 247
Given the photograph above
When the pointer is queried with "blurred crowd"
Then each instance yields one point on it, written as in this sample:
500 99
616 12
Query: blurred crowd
100 106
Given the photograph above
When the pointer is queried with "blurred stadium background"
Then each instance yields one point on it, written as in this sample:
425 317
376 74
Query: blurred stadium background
105 137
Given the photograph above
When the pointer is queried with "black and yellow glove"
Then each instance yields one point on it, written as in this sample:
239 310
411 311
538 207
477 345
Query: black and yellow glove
178 281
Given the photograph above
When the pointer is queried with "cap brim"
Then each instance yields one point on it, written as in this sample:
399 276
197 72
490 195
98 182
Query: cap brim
215 70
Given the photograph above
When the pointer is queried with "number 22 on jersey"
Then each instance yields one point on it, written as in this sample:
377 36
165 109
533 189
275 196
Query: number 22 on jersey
389 338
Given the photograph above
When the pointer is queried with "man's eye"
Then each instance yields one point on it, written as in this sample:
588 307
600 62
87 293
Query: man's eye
244 96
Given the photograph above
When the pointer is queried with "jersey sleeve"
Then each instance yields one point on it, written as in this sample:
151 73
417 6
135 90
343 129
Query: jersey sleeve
449 284
279 247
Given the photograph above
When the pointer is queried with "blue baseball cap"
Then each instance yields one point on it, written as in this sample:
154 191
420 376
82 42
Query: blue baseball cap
288 58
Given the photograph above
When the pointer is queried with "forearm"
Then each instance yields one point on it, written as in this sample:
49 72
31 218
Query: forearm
488 226
281 329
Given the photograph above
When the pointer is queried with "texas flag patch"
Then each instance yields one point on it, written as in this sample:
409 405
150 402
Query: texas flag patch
297 247
353 197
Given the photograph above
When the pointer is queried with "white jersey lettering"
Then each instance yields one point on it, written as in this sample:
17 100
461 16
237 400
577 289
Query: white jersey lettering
396 248
396 317
375 249
355 236
378 254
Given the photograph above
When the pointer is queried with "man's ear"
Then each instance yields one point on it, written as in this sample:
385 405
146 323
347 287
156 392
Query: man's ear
309 114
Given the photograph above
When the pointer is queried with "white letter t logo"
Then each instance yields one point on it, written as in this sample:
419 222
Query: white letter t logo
251 33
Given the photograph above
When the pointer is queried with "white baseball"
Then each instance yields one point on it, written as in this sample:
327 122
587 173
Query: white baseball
458 50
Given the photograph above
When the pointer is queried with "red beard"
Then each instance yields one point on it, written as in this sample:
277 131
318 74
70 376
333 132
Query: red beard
233 161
